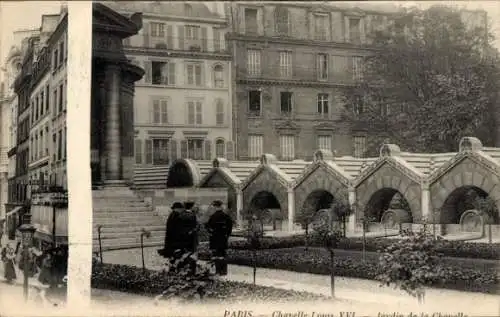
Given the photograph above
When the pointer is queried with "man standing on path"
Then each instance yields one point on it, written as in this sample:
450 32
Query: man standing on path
171 232
219 226
188 236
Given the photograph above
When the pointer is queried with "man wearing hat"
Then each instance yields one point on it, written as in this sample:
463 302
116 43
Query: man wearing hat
188 235
219 226
171 234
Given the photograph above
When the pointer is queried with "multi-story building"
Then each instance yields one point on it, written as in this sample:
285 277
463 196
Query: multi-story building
183 104
292 61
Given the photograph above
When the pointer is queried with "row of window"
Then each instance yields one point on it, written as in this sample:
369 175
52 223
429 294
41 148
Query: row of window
59 55
160 109
163 73
39 144
162 151
286 103
321 24
323 66
287 145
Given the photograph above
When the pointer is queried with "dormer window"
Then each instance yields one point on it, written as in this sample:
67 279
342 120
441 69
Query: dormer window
188 10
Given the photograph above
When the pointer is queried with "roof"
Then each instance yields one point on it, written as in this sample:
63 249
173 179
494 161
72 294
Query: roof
170 8
353 166
493 152
292 169
426 163
204 167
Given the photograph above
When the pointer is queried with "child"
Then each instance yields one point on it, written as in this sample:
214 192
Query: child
9 265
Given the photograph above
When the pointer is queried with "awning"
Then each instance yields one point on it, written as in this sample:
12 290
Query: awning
13 211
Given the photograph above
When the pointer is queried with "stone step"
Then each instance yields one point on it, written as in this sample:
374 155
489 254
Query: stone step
118 193
118 199
134 229
112 208
126 235
110 223
152 168
150 186
116 214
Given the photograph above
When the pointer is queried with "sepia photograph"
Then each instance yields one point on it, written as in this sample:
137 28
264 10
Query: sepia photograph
288 152
278 158
33 181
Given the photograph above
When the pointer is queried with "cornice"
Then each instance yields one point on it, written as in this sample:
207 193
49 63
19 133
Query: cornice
143 51
293 83
480 158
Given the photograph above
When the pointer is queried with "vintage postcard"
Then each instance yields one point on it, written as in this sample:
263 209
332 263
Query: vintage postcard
243 159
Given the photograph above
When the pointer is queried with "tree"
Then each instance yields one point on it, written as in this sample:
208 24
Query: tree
305 218
411 263
255 233
330 230
429 81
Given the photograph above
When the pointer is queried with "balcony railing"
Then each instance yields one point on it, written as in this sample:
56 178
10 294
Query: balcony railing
177 44
296 72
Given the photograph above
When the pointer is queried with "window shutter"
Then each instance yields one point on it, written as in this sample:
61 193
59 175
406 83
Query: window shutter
197 69
204 39
170 42
180 35
199 118
229 151
173 149
184 149
217 39
156 111
191 112
208 150
164 111
147 31
149 151
138 151
171 73
147 72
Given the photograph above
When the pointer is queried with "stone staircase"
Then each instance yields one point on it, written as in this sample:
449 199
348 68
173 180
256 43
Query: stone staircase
122 216
152 177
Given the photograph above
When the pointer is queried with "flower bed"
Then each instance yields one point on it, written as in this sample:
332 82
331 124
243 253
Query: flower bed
131 279
316 261
446 248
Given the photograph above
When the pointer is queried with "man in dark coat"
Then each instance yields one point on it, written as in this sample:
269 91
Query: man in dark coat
171 232
188 236
219 226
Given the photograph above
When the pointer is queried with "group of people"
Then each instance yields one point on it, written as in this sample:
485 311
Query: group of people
182 235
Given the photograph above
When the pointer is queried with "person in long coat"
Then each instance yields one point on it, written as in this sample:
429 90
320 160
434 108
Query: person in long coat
219 227
171 242
188 236
9 264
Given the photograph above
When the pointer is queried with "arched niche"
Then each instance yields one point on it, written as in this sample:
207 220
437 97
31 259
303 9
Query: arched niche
183 173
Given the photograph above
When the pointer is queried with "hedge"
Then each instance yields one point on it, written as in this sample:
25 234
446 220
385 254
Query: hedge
447 248
131 279
317 261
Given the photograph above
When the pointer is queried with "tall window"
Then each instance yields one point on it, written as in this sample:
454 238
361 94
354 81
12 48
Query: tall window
55 59
359 146
36 108
161 150
42 102
218 76
157 29
61 52
251 25
192 32
61 91
195 115
325 142
220 148
357 68
253 62
54 101
322 66
354 30
160 111
194 74
282 21
358 105
188 10
285 64
254 102
255 146
59 145
47 101
138 151
320 27
195 149
286 102
217 39
323 105
160 73
41 140
287 147
219 115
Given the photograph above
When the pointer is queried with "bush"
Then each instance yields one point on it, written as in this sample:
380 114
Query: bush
446 248
316 261
203 286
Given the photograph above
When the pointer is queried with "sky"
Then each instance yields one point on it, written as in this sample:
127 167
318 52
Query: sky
15 15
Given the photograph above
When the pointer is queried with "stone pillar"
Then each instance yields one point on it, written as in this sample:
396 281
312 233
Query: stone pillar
351 224
425 203
239 208
112 141
291 209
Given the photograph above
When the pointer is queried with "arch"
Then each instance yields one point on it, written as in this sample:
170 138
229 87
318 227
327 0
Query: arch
317 200
220 147
183 173
388 177
388 206
321 177
466 170
466 203
267 207
218 75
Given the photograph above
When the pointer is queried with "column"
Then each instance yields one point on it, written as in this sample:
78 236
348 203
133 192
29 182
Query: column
239 208
351 224
112 142
101 124
425 203
291 209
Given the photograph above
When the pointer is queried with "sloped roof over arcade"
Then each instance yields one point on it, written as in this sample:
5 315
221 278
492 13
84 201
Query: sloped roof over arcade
234 172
